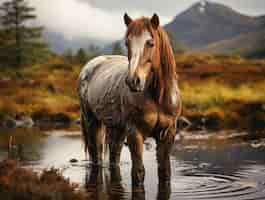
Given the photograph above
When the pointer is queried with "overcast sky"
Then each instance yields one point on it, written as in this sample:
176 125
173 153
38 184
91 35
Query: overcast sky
102 19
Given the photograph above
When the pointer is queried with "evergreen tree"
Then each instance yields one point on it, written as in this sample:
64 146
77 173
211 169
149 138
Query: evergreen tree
68 54
81 56
117 50
20 43
93 51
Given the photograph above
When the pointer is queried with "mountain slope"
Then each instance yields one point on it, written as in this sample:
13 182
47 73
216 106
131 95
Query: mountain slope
243 44
206 22
59 44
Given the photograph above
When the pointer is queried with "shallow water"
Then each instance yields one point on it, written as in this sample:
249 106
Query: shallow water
199 170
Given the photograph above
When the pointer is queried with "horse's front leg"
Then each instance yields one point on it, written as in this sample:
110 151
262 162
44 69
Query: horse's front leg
163 158
136 144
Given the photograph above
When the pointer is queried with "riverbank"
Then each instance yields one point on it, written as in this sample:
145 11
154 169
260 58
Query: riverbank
17 182
217 91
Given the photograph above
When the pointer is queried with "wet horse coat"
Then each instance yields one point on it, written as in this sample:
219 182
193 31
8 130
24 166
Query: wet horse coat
112 108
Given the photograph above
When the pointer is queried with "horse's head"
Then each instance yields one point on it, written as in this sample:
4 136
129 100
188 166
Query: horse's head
142 43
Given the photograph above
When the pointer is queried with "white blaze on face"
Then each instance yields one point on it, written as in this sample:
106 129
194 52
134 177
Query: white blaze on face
137 49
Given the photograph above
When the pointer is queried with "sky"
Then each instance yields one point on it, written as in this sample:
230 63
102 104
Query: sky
103 19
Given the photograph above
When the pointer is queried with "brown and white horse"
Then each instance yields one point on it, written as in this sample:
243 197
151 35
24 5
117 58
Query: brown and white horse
132 97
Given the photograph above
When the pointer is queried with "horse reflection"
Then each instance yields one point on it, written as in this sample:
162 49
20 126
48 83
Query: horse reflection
106 184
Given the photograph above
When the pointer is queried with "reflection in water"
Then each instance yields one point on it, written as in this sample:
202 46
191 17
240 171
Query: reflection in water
23 144
100 186
229 172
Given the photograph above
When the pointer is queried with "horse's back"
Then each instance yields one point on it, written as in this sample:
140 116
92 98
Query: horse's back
100 86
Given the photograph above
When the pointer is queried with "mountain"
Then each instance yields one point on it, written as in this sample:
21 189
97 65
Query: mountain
59 44
207 22
248 44
205 26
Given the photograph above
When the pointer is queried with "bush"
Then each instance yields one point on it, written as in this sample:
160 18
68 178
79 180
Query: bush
19 183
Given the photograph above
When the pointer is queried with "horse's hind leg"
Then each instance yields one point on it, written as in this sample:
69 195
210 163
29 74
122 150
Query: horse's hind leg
116 140
94 136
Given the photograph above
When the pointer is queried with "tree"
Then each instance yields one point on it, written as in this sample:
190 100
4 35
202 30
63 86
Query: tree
117 50
68 54
81 56
21 43
93 51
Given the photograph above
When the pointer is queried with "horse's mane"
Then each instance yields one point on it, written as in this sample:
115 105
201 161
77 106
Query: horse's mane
163 60
166 74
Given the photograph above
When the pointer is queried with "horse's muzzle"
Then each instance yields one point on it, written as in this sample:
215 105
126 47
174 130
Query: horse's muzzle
134 84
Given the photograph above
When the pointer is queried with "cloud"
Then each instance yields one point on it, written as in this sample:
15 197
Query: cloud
78 19
103 19
74 19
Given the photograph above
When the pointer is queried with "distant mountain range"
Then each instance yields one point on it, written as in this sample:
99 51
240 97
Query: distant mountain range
206 22
205 26
60 44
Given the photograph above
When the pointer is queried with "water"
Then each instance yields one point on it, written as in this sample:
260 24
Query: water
199 170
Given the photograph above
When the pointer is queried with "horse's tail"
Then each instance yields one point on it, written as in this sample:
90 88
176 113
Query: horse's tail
86 123
94 135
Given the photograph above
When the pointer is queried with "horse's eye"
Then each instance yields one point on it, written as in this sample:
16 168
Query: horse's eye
150 43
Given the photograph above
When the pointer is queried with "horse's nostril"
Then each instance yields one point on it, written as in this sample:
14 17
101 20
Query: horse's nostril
137 81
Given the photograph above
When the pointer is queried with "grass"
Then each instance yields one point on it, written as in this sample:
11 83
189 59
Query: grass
47 88
19 183
211 85
207 94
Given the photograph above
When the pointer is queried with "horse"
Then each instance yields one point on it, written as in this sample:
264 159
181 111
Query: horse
131 98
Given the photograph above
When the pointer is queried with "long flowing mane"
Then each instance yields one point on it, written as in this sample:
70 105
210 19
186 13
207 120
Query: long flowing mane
166 74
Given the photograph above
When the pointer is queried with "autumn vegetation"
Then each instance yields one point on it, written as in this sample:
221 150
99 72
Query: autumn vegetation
19 183
221 88
218 91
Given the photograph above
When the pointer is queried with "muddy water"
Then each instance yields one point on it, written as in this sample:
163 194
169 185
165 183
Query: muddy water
199 170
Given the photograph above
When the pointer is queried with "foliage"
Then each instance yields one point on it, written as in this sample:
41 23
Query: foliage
20 43
117 50
93 51
81 56
214 86
19 183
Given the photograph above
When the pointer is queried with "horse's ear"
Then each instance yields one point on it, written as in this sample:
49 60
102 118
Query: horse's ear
127 19
155 21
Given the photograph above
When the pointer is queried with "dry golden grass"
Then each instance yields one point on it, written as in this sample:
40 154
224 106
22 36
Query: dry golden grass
19 183
210 86
208 94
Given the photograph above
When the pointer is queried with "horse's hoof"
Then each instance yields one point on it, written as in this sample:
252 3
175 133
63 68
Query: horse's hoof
165 182
138 187
114 164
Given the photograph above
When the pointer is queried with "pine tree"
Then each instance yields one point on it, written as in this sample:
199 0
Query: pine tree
81 56
117 50
21 43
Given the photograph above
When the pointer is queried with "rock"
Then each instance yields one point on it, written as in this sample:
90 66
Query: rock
78 121
51 88
73 160
61 118
23 120
51 118
10 123
183 123
20 121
